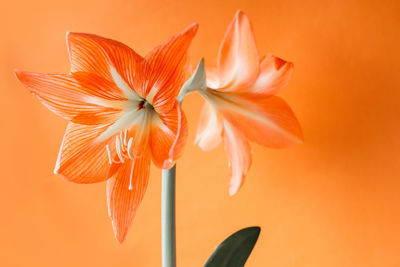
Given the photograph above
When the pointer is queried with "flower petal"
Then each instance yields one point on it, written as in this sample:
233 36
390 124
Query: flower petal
212 78
81 98
125 191
166 69
268 121
107 58
81 159
239 155
209 130
274 75
168 137
238 61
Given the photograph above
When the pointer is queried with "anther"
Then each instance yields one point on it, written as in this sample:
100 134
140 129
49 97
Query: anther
125 136
129 147
130 178
118 148
109 154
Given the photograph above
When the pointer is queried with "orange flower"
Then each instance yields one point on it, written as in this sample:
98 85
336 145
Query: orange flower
123 112
241 104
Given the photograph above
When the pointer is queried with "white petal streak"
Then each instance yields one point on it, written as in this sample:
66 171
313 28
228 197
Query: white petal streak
108 103
238 150
126 89
162 126
153 91
130 118
235 105
208 135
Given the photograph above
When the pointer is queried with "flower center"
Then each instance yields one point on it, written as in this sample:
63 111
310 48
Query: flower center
144 104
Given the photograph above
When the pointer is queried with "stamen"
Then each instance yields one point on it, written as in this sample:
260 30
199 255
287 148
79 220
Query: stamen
130 178
118 148
129 147
109 154
121 138
125 136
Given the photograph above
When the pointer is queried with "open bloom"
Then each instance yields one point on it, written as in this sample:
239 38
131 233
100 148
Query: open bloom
122 112
240 101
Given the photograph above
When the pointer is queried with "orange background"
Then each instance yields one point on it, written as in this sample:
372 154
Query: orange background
333 201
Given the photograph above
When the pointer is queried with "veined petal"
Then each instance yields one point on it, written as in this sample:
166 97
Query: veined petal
165 70
140 133
77 97
81 159
268 121
107 58
209 130
168 136
239 156
238 61
125 191
274 76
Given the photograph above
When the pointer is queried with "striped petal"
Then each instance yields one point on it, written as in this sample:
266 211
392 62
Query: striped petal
238 61
107 58
166 70
81 159
274 76
239 156
168 137
125 191
81 98
209 130
268 121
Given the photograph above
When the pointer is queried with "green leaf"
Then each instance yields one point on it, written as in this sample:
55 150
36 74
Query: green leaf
235 250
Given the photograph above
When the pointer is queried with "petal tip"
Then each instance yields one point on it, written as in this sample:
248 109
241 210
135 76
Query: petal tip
241 15
168 164
233 190
120 233
120 236
239 12
19 74
70 34
192 28
24 77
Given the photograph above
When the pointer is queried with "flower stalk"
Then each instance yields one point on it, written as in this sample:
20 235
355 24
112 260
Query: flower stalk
168 218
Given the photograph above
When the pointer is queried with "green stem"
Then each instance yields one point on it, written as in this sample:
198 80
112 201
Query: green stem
168 218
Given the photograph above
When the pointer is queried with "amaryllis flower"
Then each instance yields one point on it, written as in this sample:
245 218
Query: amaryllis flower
240 101
122 112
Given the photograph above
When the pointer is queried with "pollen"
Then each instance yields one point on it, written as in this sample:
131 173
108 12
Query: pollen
141 104
144 104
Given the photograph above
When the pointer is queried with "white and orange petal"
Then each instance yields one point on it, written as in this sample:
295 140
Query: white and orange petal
275 74
83 98
165 70
239 155
168 137
238 60
209 130
268 121
125 191
81 159
107 58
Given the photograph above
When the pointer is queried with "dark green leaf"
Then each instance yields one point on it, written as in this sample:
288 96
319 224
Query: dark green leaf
235 250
